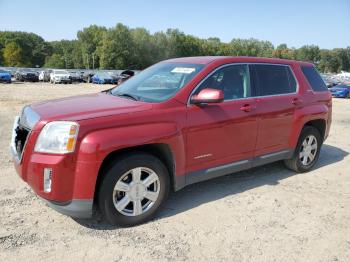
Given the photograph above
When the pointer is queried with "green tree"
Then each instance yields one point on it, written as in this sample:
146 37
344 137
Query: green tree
329 62
120 47
343 55
13 54
55 61
144 48
251 47
90 41
117 48
282 51
34 48
310 53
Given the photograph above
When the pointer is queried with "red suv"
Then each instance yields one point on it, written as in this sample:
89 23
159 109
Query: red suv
179 122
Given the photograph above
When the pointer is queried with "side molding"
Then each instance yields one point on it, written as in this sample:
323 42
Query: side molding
206 174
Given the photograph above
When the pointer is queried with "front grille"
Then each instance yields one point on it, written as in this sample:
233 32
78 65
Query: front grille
21 137
21 130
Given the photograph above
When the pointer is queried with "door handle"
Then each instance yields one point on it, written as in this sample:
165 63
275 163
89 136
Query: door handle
297 101
247 108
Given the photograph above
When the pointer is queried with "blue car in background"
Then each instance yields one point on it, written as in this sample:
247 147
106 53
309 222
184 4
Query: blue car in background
341 90
102 78
5 77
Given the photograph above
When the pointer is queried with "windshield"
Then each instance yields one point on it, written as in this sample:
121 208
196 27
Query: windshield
103 74
61 72
159 82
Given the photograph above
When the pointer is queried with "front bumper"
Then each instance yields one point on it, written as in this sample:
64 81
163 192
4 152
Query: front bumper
62 81
30 78
72 181
78 208
5 80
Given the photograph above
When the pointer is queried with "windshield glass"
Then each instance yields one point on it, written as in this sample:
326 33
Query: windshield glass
159 82
103 74
62 72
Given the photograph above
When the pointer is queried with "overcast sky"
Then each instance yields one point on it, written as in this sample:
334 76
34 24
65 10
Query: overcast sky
295 22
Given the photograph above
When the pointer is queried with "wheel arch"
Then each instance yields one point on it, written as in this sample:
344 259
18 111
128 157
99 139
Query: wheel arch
320 125
162 151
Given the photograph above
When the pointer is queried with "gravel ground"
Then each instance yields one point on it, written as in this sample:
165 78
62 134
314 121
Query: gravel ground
264 214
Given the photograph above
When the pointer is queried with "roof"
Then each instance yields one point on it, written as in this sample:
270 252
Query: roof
234 59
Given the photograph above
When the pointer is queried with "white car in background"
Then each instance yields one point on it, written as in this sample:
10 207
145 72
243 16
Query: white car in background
41 75
60 76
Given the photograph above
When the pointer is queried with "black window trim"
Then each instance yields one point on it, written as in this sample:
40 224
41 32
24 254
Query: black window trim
252 86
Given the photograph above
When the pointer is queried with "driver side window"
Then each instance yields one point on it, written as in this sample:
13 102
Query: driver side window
233 80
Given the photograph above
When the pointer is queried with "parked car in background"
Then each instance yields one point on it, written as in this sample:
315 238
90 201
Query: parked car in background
115 76
342 91
76 76
179 122
87 76
5 77
102 78
60 76
45 75
125 75
41 75
28 75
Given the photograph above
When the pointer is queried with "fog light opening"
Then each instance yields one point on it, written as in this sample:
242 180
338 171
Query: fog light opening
47 179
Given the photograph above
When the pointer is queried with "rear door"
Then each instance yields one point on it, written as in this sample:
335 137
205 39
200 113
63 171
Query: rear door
277 99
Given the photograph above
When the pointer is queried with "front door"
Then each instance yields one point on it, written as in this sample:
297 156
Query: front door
222 133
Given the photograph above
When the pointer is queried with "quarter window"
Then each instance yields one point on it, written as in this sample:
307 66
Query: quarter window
313 77
273 79
233 80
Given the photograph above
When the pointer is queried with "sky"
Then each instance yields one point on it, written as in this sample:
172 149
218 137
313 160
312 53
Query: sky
325 23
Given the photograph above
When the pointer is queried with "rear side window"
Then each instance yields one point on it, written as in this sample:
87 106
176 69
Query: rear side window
273 79
313 77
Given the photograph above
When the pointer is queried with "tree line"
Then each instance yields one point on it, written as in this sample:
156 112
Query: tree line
121 47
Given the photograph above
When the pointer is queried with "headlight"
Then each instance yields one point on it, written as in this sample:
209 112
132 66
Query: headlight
57 137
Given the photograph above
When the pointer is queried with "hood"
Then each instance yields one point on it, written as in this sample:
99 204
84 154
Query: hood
87 106
4 74
338 89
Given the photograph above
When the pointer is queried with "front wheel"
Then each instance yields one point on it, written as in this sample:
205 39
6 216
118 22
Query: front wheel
133 189
307 151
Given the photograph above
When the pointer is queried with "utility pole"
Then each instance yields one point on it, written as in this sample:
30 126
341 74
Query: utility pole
93 61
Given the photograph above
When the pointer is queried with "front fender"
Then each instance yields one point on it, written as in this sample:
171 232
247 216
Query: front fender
97 145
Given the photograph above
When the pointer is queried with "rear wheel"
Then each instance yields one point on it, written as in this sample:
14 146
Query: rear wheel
307 151
133 189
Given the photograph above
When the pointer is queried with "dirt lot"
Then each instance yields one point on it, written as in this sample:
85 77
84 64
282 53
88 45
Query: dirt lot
265 214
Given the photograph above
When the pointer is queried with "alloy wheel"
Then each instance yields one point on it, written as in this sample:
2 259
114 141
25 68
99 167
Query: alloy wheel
136 191
308 150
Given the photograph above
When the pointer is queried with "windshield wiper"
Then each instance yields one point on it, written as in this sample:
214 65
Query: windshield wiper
107 91
128 96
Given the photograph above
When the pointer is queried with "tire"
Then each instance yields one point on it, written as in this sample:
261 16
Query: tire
297 162
123 172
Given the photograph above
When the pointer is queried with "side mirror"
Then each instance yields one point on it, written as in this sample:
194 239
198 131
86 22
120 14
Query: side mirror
208 96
